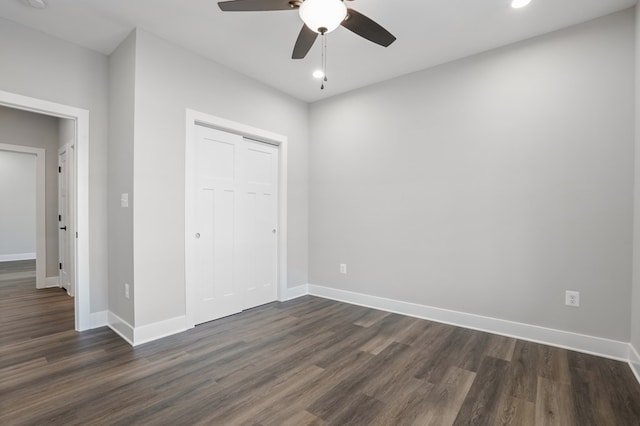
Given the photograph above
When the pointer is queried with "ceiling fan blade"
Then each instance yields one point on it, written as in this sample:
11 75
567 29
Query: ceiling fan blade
365 27
305 40
256 5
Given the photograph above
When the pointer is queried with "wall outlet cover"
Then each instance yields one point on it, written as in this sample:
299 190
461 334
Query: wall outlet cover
572 298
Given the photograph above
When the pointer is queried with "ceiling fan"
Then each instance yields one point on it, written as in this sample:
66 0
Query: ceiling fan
319 17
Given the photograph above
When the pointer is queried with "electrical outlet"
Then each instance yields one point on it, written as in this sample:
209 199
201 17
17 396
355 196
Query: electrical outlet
343 268
126 290
572 298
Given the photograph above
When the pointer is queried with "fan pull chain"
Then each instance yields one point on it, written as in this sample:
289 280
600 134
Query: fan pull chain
324 59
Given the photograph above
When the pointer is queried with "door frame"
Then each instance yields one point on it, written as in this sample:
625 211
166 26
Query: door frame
196 118
82 299
41 217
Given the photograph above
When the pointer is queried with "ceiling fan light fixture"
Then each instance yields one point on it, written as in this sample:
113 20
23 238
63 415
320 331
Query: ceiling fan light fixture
517 4
318 74
323 16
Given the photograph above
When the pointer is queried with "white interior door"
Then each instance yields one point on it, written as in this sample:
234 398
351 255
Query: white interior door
66 232
235 238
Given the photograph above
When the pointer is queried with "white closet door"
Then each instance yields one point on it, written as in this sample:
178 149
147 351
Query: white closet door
235 265
261 219
218 204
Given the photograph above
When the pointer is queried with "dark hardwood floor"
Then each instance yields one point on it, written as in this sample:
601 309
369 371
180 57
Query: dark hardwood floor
18 266
307 361
27 313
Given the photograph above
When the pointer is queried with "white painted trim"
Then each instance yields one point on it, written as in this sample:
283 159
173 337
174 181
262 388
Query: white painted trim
158 330
120 327
81 116
634 361
41 214
194 118
99 319
563 339
17 256
139 335
52 282
295 292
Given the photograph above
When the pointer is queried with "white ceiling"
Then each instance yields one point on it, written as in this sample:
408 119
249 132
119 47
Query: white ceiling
259 44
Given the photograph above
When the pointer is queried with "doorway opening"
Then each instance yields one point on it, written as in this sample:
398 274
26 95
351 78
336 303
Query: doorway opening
24 218
79 208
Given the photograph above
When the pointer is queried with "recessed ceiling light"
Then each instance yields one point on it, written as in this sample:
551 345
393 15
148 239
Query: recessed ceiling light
517 4
318 74
36 4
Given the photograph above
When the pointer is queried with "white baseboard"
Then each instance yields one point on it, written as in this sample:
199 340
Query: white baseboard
138 335
158 330
621 351
120 327
295 292
578 342
52 282
17 256
634 361
98 319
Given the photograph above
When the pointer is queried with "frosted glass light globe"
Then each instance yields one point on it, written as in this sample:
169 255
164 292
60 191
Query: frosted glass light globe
327 14
517 4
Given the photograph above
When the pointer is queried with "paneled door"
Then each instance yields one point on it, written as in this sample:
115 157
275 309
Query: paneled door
66 208
260 250
235 233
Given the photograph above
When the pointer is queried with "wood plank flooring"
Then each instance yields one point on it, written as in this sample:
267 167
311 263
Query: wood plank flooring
27 313
309 361
18 266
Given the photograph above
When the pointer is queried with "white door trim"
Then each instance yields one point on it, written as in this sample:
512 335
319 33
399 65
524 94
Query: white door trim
41 228
194 118
81 117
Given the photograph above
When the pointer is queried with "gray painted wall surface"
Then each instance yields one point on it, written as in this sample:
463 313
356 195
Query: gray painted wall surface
489 185
38 65
635 309
121 121
170 79
18 206
66 131
25 128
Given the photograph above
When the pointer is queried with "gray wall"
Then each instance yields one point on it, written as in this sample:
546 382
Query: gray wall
489 185
37 65
635 309
66 131
170 79
25 128
18 209
121 124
